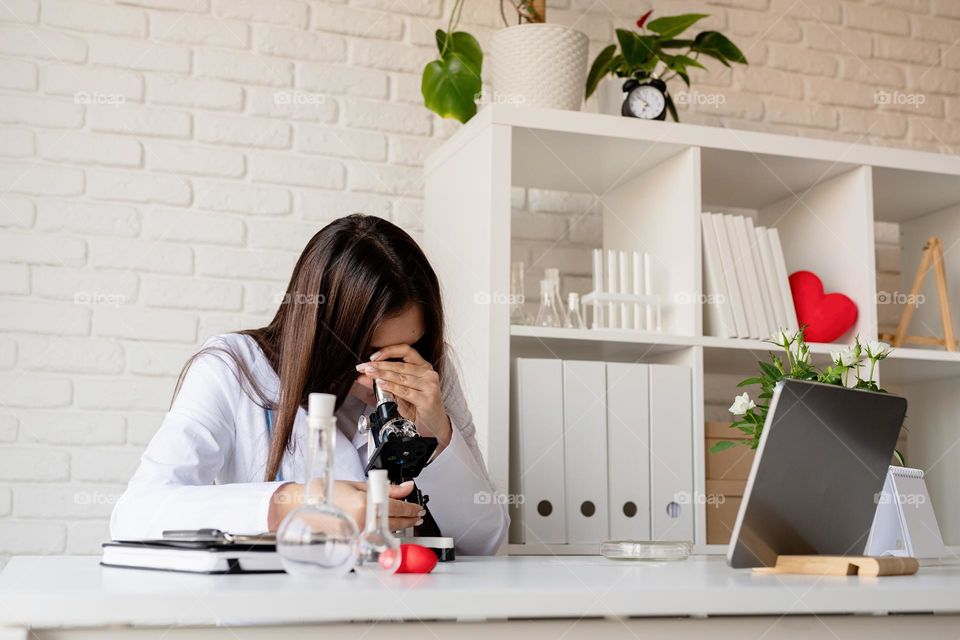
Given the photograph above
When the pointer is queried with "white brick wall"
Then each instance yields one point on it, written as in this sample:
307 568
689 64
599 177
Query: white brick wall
165 160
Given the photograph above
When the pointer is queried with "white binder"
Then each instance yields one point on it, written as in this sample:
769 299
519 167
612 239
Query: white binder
719 314
539 400
671 453
905 524
585 451
628 450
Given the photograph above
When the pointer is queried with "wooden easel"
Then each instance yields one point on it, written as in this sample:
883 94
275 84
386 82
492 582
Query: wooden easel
932 253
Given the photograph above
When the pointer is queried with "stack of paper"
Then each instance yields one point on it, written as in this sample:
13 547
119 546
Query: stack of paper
745 279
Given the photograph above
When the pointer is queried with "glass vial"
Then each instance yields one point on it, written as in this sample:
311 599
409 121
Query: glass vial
378 549
549 314
574 314
518 313
318 539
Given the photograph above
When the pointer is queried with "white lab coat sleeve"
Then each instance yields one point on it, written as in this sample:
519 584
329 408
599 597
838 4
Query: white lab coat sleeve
462 497
173 488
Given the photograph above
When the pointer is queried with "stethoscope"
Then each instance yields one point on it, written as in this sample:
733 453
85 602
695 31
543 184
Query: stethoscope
270 439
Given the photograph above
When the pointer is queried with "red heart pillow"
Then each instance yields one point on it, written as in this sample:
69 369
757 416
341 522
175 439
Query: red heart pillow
825 316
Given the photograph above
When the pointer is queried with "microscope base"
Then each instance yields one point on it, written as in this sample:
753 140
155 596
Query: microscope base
440 545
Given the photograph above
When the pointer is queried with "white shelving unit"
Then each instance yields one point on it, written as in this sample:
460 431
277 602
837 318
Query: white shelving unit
654 179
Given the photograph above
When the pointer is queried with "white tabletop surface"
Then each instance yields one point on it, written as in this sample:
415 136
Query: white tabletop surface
65 591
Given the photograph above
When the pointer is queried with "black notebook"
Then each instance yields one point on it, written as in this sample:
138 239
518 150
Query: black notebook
204 551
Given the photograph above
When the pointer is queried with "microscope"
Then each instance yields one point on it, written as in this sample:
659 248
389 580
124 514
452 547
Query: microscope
394 445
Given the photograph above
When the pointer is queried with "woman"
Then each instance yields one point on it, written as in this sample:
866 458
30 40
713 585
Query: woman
362 308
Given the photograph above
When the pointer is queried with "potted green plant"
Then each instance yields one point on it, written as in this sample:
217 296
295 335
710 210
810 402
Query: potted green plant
531 63
653 55
844 370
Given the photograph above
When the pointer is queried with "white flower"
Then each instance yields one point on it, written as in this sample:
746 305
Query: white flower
847 357
741 404
878 350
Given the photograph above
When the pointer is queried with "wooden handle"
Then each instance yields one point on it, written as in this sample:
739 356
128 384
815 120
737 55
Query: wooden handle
843 566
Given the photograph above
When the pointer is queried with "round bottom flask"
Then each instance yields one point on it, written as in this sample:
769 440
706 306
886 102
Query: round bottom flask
378 549
317 541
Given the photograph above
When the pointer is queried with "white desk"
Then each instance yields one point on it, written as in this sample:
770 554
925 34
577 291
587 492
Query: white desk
548 597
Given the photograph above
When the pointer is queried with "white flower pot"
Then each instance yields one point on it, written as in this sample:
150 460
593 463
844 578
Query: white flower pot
538 65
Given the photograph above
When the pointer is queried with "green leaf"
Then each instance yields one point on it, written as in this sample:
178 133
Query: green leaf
600 67
451 84
637 50
686 61
670 26
676 44
750 381
465 47
900 457
716 45
723 445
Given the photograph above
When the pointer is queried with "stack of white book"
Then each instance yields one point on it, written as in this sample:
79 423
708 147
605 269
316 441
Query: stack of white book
745 279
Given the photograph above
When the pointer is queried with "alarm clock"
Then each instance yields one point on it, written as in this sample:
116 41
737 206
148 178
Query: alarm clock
646 100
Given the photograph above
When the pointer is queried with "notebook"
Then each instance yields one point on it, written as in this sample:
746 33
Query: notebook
196 551
905 524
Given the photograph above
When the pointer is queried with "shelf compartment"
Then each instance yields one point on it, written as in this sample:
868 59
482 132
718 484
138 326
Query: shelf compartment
906 365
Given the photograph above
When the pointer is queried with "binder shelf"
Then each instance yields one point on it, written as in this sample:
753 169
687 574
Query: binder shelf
653 180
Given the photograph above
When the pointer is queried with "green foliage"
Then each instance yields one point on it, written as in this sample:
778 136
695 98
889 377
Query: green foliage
844 370
451 84
656 52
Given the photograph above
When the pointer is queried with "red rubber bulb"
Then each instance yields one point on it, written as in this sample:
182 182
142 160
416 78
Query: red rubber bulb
416 559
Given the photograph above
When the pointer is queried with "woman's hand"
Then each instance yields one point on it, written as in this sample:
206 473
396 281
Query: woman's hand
352 498
415 385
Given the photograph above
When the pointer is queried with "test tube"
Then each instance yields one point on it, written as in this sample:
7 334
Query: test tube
597 288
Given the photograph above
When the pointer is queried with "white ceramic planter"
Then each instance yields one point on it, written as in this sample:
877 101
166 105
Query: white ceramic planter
538 65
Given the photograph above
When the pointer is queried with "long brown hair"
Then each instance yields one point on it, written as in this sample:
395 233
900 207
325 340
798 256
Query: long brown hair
353 274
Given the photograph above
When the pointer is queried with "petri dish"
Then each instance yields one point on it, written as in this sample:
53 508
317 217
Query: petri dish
651 550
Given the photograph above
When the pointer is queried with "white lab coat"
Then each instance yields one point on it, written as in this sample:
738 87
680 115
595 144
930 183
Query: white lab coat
205 465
